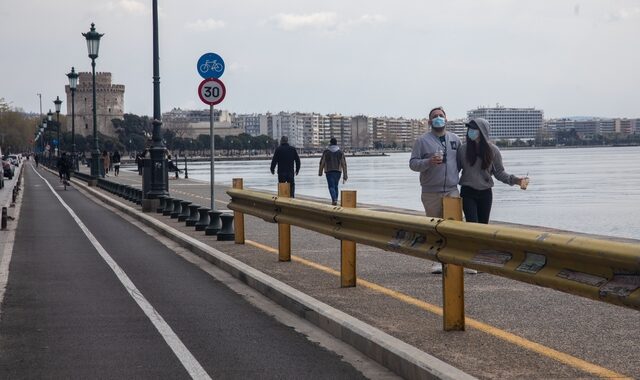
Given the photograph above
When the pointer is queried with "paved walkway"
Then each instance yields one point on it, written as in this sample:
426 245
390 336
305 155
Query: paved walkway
514 330
89 296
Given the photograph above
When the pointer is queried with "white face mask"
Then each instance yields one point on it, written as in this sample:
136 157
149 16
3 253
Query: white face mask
438 122
473 134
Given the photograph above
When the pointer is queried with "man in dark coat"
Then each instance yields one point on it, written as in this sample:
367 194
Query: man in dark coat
284 157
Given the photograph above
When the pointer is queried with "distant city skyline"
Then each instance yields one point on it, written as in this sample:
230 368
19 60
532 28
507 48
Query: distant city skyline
397 59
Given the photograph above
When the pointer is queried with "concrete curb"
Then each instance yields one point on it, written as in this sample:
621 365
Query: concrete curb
396 355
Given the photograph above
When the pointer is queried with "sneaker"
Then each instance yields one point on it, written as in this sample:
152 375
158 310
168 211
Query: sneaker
436 268
470 271
334 203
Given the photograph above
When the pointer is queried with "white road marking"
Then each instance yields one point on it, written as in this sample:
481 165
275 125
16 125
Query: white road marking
179 349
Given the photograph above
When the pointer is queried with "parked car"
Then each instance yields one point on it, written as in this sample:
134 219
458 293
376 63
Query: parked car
15 159
8 168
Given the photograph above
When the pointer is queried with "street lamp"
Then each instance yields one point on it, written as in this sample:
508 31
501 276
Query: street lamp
157 178
93 45
58 103
73 84
44 134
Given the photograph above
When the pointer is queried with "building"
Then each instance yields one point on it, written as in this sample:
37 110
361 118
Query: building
192 123
312 124
290 125
361 134
109 104
254 124
510 123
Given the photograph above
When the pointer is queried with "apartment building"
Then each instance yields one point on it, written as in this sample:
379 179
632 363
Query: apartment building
510 123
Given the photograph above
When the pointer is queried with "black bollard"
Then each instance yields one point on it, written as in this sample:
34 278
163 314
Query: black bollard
138 199
194 216
214 223
226 232
185 211
177 208
203 221
162 198
168 206
3 224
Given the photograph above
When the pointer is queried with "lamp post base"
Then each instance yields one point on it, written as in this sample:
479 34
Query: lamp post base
95 164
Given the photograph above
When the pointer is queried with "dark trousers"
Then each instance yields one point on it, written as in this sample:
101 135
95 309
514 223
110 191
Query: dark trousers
476 204
333 179
290 178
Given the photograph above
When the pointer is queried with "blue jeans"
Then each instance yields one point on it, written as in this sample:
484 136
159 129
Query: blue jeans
333 179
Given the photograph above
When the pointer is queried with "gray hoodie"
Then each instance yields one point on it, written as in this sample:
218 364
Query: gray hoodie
438 178
476 177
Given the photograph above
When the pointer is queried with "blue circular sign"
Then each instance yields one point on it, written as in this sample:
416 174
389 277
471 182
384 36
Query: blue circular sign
210 65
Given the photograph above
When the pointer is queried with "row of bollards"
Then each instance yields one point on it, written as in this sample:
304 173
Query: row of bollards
212 222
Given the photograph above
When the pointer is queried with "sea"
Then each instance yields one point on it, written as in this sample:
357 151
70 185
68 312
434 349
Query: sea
592 190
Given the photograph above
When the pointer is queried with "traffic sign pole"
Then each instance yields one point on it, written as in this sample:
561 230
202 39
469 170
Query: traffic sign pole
213 159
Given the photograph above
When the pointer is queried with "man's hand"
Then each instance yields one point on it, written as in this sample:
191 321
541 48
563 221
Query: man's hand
273 172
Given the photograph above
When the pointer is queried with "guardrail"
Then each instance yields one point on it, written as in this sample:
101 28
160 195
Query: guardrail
603 270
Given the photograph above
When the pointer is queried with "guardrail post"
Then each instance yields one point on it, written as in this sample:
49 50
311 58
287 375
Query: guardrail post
284 230
347 247
238 217
452 276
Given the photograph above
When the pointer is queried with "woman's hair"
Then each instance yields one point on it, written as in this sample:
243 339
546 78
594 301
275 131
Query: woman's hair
481 149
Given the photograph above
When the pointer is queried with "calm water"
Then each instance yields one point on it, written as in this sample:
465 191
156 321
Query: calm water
591 190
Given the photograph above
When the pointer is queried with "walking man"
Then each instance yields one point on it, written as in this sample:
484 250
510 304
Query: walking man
334 164
434 156
284 157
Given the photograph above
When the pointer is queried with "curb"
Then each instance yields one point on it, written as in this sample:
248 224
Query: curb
394 354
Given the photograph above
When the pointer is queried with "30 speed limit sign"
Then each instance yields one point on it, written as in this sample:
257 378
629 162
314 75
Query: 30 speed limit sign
212 91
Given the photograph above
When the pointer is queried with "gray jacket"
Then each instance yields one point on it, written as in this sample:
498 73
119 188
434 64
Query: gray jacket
436 178
476 177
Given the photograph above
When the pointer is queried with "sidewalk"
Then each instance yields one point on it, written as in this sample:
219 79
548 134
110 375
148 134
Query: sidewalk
514 330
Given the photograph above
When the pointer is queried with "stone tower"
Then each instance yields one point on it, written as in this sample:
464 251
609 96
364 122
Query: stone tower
109 101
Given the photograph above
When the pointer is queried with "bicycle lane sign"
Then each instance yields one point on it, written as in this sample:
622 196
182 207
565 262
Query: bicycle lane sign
210 65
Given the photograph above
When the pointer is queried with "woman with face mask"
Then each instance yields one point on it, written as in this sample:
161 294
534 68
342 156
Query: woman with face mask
479 159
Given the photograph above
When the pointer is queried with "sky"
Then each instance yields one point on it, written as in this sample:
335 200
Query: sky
394 58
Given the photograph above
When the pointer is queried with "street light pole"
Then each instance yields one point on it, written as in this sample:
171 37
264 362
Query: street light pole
158 181
73 83
58 103
93 45
50 124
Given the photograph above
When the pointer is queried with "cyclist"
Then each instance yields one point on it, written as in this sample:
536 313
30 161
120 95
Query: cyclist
64 167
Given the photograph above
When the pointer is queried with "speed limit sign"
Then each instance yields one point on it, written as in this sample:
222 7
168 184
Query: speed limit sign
212 91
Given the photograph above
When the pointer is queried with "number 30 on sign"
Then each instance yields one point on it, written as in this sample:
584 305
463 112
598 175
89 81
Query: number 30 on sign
212 91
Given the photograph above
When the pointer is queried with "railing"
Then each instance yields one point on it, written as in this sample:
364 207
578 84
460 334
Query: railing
603 270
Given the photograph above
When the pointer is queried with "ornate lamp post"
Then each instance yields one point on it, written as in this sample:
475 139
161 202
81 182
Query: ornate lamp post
158 175
58 103
50 124
93 45
44 134
73 84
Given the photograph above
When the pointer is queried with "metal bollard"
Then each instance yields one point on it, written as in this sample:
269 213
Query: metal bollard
452 276
3 224
185 211
177 208
138 194
347 247
214 223
194 216
168 207
203 221
238 217
162 198
226 232
284 230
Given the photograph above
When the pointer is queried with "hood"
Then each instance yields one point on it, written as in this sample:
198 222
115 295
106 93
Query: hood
484 127
333 148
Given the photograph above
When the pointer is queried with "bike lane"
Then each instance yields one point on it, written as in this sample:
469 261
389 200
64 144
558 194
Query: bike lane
65 313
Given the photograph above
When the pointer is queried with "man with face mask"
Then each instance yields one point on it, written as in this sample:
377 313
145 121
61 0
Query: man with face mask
434 156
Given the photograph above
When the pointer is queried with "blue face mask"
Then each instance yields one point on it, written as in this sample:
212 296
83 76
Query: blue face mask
438 122
473 134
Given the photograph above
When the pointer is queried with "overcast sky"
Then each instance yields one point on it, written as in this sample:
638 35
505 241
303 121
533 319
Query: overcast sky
394 58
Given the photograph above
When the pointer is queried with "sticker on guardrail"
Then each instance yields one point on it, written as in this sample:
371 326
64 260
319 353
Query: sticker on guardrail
532 263
492 258
407 239
621 285
584 278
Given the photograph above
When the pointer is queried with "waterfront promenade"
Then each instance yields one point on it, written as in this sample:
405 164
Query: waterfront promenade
514 330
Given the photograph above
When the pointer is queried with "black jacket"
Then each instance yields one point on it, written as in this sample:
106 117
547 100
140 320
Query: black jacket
284 156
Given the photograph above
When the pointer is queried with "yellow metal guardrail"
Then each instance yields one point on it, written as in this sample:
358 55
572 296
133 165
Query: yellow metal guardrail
602 270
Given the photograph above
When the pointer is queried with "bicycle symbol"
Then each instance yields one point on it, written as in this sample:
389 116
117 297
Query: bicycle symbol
211 65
